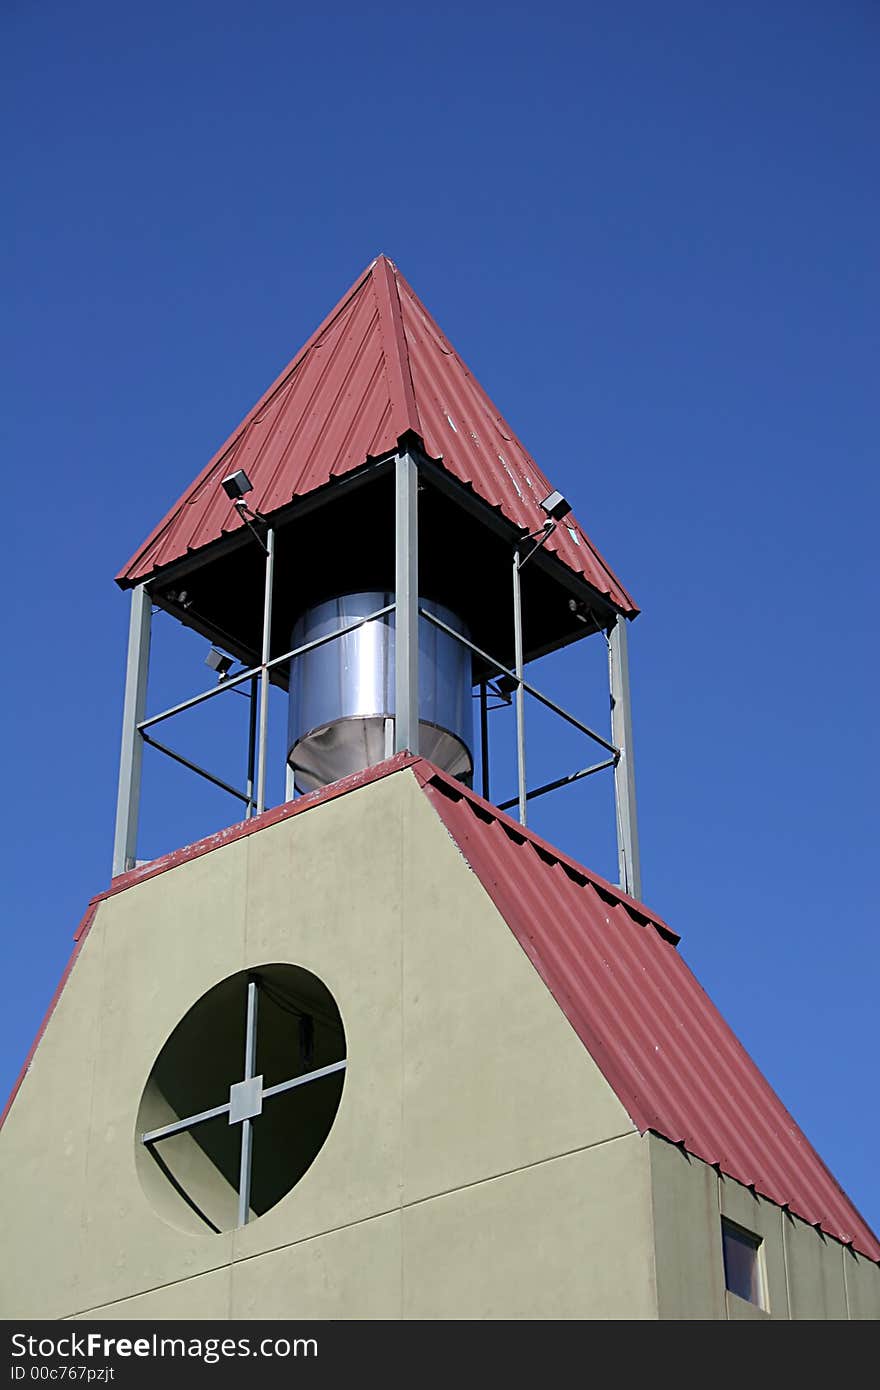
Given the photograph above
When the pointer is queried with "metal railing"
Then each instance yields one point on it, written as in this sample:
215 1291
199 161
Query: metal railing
136 724
252 673
256 749
523 793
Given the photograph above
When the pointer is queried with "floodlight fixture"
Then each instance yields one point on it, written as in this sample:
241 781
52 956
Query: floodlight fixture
585 614
237 484
219 662
235 487
180 597
556 506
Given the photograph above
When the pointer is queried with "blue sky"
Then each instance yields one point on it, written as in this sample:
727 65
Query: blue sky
651 231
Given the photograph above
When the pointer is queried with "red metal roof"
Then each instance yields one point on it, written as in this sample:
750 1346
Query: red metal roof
378 369
614 970
613 967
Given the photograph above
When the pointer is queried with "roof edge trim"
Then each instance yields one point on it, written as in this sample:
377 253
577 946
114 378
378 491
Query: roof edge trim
449 786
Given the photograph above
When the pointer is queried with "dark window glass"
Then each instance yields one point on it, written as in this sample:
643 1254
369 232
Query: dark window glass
194 1174
742 1265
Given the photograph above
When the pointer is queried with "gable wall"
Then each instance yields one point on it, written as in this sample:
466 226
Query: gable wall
479 1165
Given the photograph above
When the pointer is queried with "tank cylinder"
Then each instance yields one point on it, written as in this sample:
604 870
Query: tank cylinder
341 712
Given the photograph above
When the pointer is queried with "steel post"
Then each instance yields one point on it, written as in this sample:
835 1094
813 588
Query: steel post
520 692
484 740
624 771
406 617
250 1060
252 746
132 751
264 673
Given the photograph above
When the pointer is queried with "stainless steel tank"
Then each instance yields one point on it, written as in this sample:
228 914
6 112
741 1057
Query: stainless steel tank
342 693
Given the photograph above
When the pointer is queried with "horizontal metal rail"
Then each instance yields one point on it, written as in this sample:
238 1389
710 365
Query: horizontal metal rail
559 782
231 682
530 689
331 636
194 767
180 1125
301 1080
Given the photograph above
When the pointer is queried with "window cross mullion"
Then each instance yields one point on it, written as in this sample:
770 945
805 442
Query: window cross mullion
179 1125
301 1080
247 1132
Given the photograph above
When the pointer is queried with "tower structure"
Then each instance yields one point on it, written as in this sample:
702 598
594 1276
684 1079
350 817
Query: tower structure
380 1050
375 484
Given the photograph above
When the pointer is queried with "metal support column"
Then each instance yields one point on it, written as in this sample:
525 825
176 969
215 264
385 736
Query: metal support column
247 1125
406 617
520 692
484 739
264 674
624 770
252 747
132 752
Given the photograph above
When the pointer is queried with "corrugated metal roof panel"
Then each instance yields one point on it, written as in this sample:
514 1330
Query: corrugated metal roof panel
378 368
462 429
657 1037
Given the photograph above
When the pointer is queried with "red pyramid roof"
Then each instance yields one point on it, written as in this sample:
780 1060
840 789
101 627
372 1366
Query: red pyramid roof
377 370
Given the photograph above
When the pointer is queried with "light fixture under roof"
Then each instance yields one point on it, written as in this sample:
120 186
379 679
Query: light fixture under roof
219 662
237 484
555 506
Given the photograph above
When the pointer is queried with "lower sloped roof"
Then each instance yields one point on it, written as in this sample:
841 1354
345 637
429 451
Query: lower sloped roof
613 967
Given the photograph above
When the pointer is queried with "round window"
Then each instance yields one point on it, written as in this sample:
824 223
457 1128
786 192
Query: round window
241 1098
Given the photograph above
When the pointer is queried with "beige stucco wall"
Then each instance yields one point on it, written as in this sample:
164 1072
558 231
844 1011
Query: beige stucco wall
687 1234
479 1165
566 1238
806 1275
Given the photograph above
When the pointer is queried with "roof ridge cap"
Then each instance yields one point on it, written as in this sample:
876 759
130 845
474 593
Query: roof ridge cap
395 349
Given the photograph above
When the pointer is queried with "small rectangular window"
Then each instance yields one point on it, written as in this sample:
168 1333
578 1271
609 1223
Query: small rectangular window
742 1263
